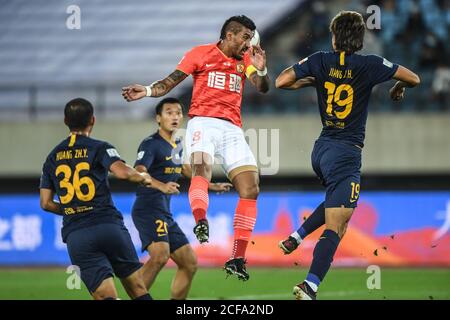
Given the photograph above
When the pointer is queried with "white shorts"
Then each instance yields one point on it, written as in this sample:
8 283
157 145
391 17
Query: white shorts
222 140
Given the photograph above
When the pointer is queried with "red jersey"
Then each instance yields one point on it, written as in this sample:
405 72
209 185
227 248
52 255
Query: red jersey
218 82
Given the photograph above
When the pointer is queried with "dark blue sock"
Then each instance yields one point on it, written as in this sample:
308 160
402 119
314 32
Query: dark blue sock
313 222
323 255
144 297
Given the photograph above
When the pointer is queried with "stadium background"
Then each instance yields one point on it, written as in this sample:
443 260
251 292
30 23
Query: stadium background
403 219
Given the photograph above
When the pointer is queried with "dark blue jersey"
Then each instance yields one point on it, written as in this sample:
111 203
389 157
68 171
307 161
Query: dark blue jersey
77 170
163 161
344 83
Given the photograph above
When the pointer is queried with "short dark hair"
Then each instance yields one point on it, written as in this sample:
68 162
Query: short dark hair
235 23
159 107
78 113
348 29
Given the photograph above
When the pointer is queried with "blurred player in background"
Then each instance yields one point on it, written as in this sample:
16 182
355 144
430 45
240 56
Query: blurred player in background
97 239
160 155
219 71
343 81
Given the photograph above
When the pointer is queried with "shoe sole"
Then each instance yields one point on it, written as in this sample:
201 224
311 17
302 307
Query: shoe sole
300 294
283 248
239 275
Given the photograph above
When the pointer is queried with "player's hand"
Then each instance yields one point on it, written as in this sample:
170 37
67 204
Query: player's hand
397 92
170 188
147 179
220 187
258 57
134 92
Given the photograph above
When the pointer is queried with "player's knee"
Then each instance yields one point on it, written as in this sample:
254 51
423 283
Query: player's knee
160 259
192 266
250 192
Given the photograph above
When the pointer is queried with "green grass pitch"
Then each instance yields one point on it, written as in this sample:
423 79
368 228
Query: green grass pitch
264 284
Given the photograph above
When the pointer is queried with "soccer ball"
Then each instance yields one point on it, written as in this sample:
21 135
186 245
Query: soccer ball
255 39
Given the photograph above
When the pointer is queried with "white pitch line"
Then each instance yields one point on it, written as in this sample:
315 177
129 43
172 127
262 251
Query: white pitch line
331 294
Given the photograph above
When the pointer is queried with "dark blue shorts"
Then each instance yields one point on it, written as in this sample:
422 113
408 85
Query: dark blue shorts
101 251
338 165
157 227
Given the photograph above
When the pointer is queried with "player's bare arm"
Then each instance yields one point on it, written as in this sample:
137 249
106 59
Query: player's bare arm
166 188
259 79
125 172
406 79
47 202
156 89
287 80
213 186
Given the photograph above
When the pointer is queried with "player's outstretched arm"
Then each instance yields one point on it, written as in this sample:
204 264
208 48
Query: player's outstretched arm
287 80
156 89
259 79
47 202
406 79
125 172
167 188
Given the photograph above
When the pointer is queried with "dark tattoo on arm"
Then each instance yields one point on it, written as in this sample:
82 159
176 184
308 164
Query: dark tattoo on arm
162 87
177 76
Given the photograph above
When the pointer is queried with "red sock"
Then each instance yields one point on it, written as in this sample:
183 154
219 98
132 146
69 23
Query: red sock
198 197
244 222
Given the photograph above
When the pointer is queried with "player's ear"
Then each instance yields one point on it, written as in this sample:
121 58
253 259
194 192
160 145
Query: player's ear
229 36
92 122
158 119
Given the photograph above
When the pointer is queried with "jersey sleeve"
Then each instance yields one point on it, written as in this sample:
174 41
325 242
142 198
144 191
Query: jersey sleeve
189 63
108 155
46 181
146 155
380 69
307 67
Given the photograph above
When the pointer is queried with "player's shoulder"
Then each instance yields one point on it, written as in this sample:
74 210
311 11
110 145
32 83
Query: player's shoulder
373 59
97 143
316 56
203 48
61 145
150 141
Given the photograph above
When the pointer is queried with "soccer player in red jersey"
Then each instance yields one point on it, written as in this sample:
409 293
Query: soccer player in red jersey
214 130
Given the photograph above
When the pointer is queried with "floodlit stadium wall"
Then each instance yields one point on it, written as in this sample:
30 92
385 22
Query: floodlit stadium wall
395 143
388 228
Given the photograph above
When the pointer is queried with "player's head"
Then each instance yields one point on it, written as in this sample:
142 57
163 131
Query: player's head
79 115
347 28
169 114
237 32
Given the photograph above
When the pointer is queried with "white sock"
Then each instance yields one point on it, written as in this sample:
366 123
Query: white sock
313 286
297 237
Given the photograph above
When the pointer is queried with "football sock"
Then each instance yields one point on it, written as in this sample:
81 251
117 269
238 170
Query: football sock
311 224
323 256
146 296
198 197
244 222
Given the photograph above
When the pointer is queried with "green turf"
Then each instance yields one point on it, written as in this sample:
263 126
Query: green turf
265 283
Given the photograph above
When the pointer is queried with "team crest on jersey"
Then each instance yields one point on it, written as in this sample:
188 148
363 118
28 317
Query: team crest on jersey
240 68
